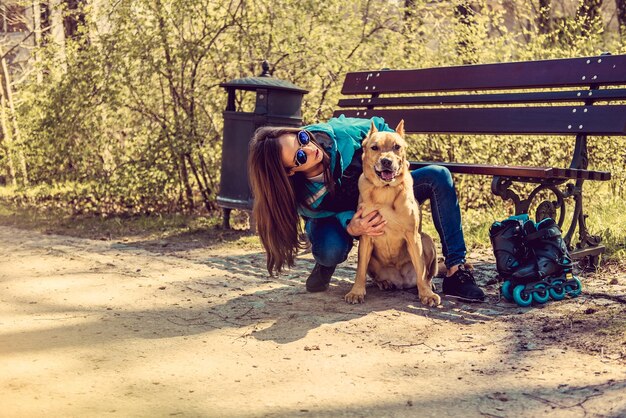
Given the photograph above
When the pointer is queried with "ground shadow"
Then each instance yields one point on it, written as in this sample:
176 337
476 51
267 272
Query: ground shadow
214 237
508 401
244 297
241 295
295 312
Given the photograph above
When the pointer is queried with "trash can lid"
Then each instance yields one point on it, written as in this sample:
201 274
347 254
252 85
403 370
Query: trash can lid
265 80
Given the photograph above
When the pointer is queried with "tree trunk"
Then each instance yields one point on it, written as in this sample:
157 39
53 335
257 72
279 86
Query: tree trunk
6 130
8 99
204 190
57 31
37 32
589 13
185 182
465 47
6 136
409 10
621 16
74 18
544 20
99 22
176 104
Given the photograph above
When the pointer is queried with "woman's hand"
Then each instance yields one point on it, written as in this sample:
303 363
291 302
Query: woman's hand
372 224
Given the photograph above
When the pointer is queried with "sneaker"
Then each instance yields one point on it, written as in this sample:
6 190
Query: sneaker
319 278
462 285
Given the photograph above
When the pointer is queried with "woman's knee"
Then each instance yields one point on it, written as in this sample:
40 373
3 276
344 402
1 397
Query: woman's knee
433 181
440 175
330 243
330 255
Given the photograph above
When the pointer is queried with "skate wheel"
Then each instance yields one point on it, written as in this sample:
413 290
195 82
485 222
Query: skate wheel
521 296
574 290
506 291
540 293
557 291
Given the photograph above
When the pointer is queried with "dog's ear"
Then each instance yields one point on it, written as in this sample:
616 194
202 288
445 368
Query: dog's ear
373 129
400 128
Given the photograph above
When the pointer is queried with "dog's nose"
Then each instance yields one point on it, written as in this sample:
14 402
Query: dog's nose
386 162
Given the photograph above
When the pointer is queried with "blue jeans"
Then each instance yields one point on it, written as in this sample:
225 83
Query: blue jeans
330 243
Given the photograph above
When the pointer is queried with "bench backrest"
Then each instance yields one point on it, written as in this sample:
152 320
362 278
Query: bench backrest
532 97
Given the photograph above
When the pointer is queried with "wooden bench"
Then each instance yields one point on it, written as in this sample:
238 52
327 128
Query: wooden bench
574 97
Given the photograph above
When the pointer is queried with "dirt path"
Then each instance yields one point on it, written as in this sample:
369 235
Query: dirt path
99 328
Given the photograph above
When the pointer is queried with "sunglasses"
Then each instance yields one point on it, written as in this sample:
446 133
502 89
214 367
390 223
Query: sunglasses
304 138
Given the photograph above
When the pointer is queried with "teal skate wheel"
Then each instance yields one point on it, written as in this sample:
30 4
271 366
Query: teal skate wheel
540 293
506 291
521 296
557 291
574 290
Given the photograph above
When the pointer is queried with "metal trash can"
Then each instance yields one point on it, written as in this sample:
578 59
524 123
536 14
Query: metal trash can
277 103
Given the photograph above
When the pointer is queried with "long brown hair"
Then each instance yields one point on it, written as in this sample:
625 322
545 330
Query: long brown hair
275 207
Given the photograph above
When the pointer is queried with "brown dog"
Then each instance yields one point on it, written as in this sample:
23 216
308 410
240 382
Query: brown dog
403 255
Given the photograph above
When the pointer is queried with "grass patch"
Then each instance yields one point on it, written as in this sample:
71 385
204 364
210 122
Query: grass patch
192 230
608 220
57 221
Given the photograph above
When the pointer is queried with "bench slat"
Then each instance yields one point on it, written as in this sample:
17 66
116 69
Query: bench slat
501 98
517 171
600 70
495 99
597 120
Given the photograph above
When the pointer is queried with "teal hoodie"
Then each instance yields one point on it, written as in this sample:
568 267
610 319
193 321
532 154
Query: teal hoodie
346 135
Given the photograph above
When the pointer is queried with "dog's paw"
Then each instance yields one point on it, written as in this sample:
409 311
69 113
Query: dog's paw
355 296
431 299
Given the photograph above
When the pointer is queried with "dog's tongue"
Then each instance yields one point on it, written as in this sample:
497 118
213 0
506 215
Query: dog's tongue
386 175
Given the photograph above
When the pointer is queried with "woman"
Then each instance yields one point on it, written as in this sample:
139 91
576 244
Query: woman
313 172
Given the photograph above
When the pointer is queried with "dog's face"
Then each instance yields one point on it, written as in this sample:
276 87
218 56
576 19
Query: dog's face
384 155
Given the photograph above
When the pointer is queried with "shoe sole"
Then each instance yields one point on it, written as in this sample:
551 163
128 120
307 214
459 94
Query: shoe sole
317 289
464 299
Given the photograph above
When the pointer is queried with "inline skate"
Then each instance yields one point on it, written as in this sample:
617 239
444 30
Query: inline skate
533 261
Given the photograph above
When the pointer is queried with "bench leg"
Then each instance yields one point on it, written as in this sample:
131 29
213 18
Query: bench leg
226 222
546 209
588 248
588 245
